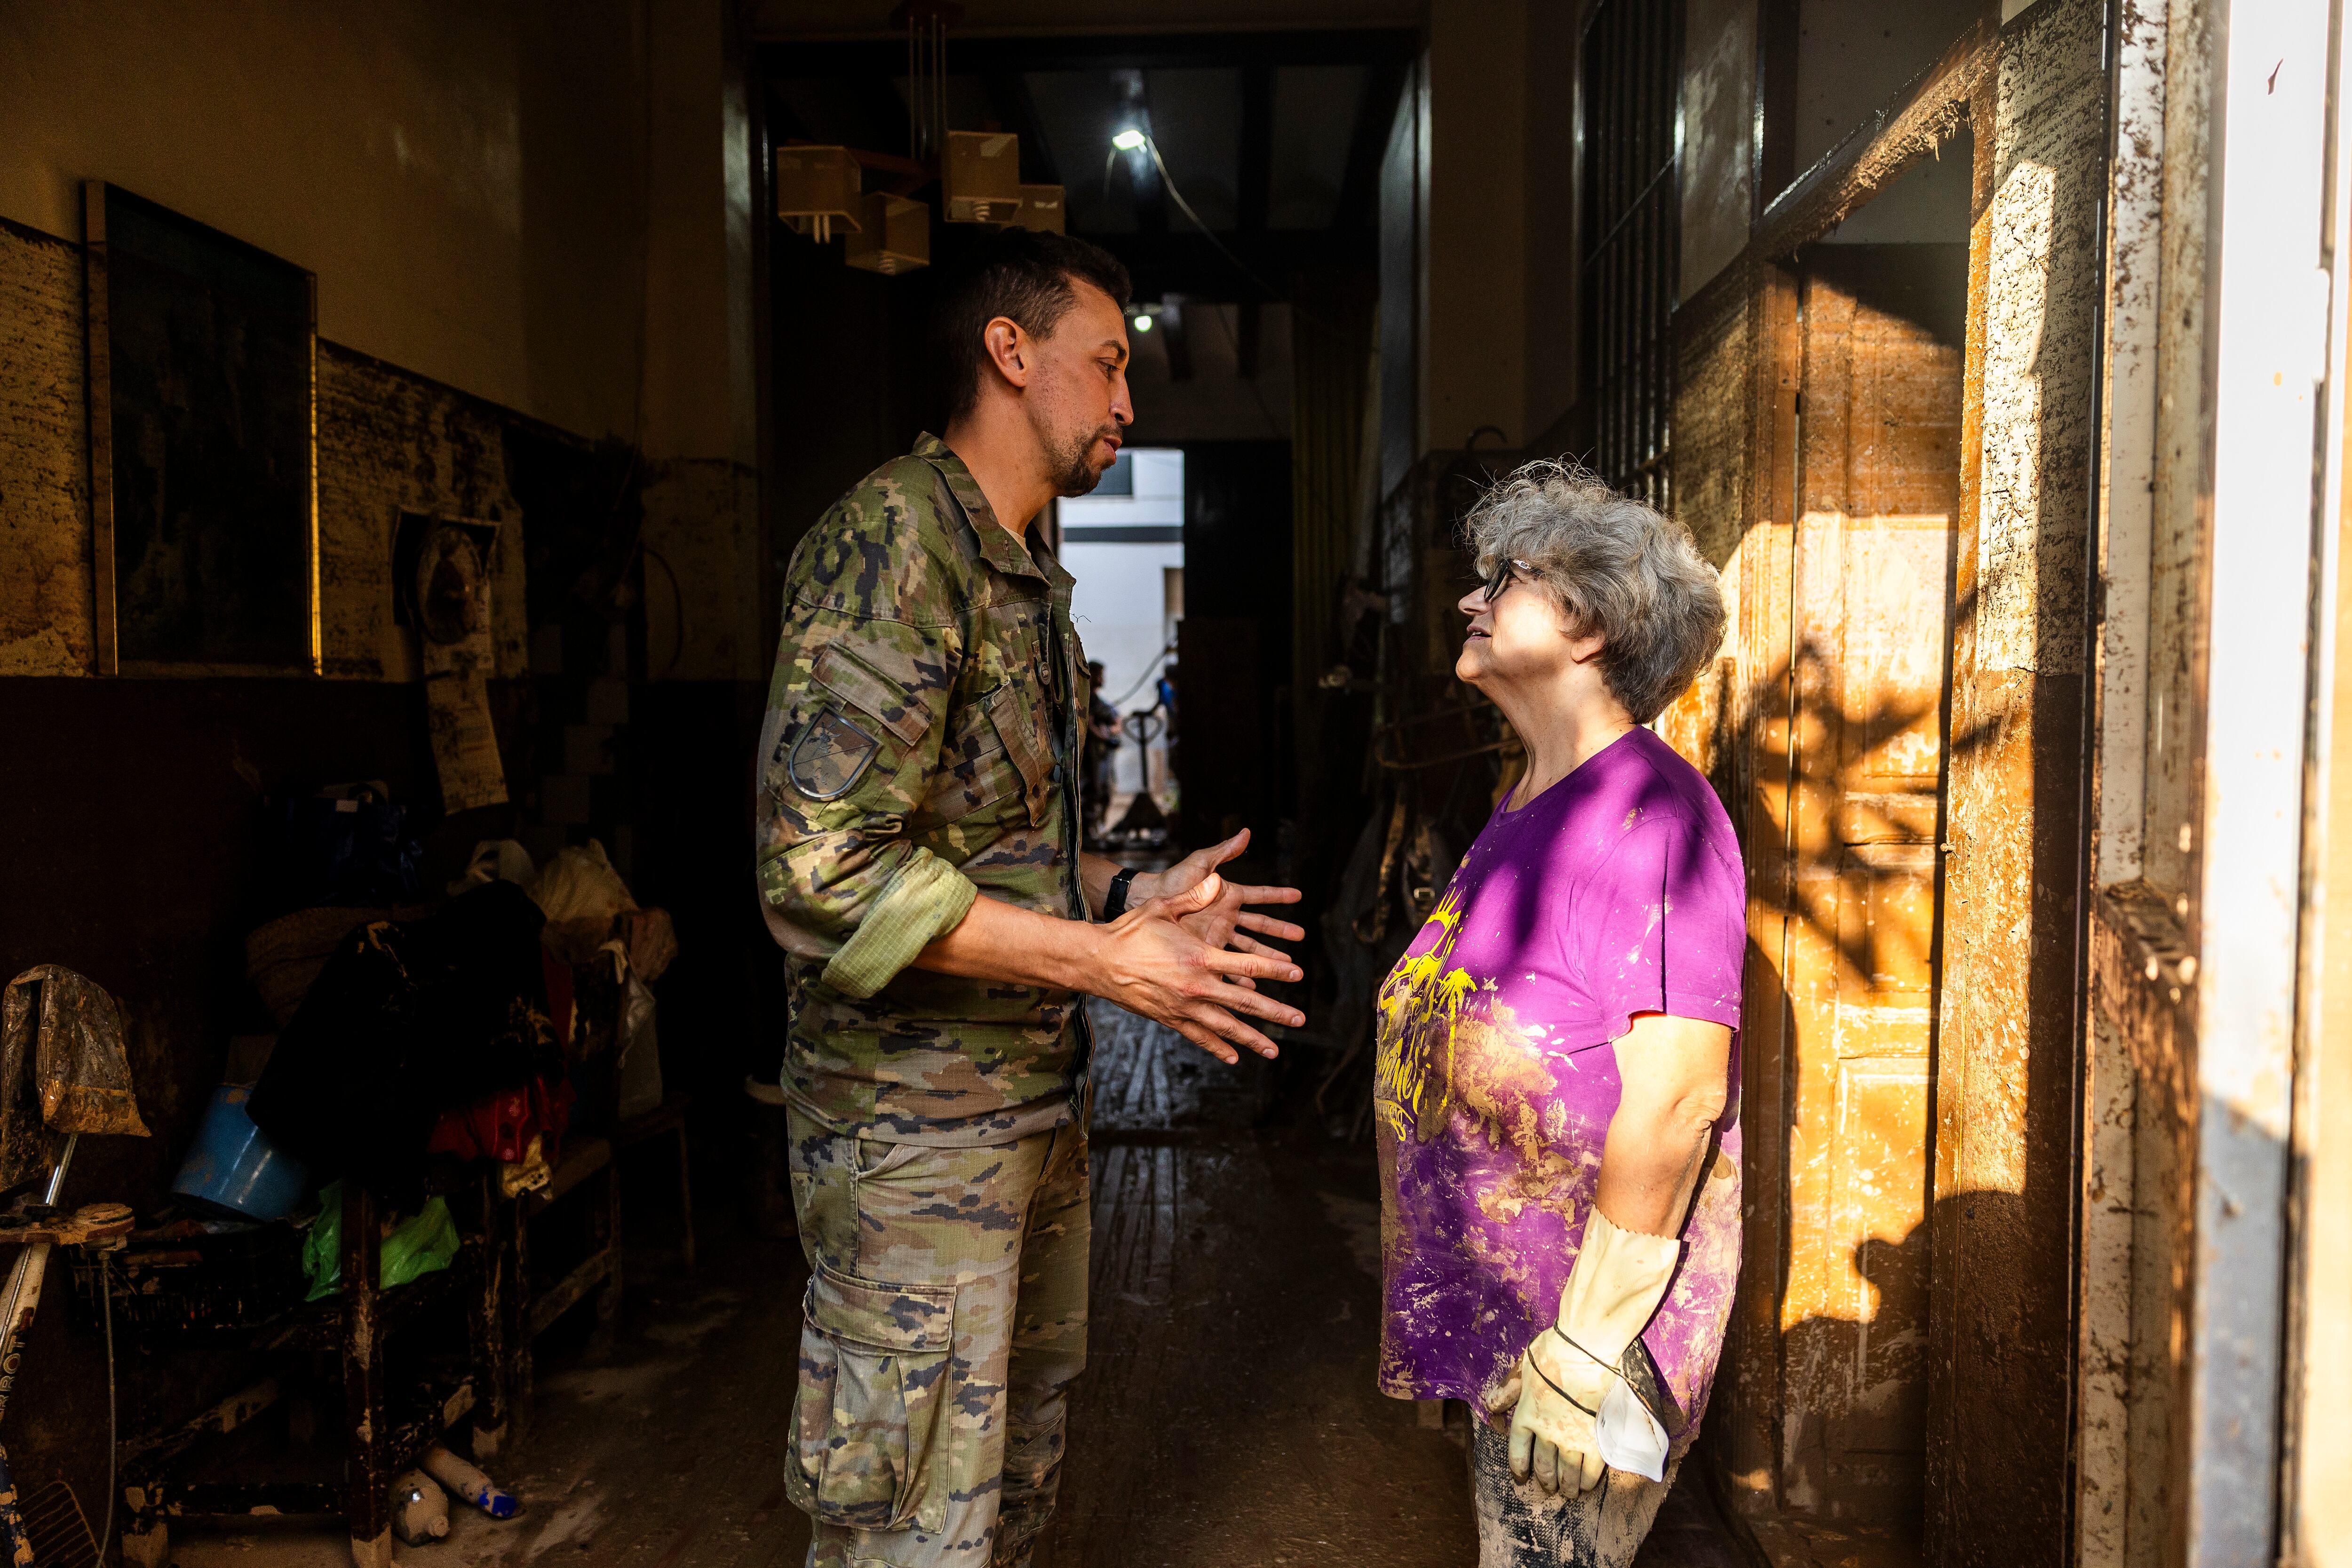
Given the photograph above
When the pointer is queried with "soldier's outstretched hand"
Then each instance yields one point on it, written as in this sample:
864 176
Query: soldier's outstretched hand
1222 921
1154 963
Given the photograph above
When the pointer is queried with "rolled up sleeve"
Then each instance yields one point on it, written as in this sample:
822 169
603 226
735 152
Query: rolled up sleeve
927 898
856 712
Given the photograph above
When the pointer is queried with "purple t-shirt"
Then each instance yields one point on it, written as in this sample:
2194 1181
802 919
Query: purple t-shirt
1615 893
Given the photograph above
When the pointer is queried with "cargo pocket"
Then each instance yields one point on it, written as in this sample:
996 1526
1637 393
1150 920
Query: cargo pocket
1020 728
866 1417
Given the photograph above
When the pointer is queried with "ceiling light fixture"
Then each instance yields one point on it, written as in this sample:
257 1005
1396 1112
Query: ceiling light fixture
1127 142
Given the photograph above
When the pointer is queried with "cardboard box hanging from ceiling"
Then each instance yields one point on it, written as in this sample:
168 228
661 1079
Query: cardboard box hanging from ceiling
1041 209
980 176
816 190
894 236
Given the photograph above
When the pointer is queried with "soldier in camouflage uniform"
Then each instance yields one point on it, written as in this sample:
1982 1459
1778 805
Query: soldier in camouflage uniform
918 861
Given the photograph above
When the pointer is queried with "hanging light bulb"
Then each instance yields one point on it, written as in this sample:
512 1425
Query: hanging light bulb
1129 140
1142 323
894 236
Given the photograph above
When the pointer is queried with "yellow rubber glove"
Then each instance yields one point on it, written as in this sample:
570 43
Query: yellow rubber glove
1613 1291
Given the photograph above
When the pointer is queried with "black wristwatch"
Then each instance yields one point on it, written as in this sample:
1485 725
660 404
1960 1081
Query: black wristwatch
1114 901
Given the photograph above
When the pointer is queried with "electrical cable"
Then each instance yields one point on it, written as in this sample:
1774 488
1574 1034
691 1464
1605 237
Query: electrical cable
1148 673
1151 145
114 1443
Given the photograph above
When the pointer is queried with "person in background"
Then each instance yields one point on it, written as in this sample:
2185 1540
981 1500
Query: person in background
1166 688
1555 1084
1102 753
917 858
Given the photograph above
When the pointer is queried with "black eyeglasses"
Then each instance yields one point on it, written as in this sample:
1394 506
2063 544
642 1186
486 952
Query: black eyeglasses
1500 577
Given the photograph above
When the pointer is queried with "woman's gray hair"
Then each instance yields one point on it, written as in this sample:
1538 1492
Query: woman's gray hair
1613 566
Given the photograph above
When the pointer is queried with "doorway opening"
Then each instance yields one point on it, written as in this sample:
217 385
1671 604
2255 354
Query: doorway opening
1125 544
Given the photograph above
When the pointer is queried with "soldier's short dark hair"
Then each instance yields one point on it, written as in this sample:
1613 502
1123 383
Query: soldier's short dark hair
1024 275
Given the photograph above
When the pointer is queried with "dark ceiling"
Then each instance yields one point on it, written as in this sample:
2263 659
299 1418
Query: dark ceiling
1273 138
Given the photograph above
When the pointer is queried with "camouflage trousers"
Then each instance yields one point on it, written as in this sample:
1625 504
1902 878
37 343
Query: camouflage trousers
945 1321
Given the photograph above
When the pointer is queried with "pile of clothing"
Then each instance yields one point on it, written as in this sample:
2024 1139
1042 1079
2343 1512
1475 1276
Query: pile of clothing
406 1020
460 1031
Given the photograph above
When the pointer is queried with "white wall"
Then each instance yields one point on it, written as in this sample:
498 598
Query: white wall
1122 591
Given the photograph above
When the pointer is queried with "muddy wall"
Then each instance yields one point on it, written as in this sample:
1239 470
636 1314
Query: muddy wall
2023 114
2000 1341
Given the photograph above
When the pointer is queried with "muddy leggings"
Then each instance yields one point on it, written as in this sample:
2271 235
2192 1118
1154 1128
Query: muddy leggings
1520 1525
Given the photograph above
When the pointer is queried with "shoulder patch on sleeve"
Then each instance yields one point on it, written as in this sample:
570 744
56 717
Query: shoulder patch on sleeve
830 756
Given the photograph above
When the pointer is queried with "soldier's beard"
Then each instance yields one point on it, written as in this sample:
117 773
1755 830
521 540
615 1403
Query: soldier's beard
1074 470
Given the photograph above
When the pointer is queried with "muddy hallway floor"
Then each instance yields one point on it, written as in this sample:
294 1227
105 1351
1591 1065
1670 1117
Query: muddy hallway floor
1227 1418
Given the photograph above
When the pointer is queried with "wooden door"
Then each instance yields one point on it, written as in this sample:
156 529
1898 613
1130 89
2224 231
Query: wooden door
1877 433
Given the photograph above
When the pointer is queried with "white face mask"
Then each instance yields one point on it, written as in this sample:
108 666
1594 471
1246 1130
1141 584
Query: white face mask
1630 1438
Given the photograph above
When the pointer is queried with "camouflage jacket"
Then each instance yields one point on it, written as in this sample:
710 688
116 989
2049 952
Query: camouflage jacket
920 749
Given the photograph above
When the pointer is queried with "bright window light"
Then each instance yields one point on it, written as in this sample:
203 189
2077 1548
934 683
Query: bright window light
1127 140
1142 323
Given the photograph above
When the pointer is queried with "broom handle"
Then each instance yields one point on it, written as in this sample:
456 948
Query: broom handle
58 1172
23 1296
16 1307
17 1304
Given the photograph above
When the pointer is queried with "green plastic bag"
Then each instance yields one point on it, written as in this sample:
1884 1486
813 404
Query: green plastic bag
418 1245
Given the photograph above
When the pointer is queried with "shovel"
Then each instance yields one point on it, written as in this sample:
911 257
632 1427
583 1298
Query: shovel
63 1072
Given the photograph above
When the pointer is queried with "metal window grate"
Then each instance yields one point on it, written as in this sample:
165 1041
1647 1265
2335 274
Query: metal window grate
1631 64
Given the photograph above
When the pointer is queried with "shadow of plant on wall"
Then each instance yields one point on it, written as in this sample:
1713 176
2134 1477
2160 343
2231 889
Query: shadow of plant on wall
1837 785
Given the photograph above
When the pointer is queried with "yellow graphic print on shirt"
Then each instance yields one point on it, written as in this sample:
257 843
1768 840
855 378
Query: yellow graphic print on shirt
1419 1003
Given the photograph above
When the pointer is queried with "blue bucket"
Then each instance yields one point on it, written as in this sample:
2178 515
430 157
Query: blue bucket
233 1168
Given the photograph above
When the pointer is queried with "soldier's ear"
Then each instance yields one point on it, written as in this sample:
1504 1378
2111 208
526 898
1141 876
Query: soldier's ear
1008 350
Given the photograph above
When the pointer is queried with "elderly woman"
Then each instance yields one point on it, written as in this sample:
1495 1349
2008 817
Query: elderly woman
1560 1147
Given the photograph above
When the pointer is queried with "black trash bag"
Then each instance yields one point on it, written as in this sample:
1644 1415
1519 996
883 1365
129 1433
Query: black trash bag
408 1019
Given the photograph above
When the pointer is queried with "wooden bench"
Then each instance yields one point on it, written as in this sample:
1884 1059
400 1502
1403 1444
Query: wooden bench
385 1430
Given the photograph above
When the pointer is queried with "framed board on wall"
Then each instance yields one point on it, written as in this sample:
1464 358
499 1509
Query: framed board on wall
203 383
